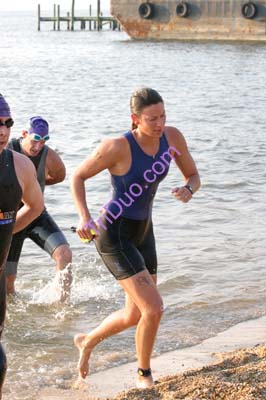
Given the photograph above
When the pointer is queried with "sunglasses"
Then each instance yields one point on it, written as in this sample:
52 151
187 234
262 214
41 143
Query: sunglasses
38 138
8 123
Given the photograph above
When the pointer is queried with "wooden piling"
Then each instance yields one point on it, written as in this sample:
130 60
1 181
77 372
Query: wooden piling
54 28
72 14
68 21
58 17
90 16
98 15
39 17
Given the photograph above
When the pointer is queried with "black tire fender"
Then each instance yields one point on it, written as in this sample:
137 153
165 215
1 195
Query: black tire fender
249 10
146 10
182 9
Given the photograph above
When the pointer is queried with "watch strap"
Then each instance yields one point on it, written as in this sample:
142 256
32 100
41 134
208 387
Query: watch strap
189 187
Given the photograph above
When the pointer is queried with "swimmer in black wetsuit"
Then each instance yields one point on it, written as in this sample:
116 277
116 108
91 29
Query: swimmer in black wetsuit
17 182
43 231
124 238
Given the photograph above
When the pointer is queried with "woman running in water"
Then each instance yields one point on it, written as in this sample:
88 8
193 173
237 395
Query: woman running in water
137 162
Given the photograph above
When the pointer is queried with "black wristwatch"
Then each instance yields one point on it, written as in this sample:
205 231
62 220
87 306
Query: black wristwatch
189 187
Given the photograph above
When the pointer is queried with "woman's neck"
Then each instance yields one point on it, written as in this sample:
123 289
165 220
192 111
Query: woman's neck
145 139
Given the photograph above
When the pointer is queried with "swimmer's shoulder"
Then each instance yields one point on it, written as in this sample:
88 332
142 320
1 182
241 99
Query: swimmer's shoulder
174 136
115 146
24 168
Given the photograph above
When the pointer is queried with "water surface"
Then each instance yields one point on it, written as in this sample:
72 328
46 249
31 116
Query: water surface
211 251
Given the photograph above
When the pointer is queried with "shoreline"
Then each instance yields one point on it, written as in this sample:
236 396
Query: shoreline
111 382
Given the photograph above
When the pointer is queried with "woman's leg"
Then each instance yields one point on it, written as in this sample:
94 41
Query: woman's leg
143 292
143 308
114 323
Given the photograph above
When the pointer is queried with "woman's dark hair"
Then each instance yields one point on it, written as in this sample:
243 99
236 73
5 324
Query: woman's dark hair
142 98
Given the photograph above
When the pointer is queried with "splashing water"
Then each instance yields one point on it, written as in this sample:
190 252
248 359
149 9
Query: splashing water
58 290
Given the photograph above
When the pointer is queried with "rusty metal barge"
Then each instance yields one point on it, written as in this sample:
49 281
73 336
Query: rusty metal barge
232 20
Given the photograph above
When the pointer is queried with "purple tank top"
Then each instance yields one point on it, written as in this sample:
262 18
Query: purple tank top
134 192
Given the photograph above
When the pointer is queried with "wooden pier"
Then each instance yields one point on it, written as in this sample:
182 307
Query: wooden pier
94 22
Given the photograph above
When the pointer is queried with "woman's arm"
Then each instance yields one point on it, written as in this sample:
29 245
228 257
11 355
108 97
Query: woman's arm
106 156
185 163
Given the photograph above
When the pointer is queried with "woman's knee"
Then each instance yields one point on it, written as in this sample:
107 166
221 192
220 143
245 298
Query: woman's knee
63 254
154 312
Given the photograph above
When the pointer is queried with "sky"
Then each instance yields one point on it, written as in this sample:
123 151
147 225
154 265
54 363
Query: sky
18 5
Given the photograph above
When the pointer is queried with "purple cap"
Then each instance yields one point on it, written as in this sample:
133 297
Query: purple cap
4 108
39 125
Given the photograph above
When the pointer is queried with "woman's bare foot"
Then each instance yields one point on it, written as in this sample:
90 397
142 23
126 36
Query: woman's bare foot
144 382
82 342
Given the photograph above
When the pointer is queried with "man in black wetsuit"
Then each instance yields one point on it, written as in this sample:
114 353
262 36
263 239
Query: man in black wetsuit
17 183
43 231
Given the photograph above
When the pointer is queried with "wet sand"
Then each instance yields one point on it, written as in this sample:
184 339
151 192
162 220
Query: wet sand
229 366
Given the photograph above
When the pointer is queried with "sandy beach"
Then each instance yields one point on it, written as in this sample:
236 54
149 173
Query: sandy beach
240 375
229 366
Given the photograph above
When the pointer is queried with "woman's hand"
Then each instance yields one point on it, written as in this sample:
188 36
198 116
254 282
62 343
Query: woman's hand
183 194
87 230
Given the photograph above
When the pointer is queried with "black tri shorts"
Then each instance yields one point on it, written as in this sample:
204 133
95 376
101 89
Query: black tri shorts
43 231
127 247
